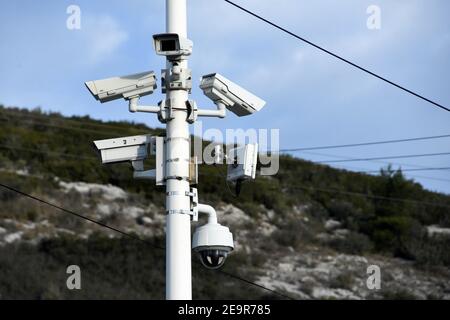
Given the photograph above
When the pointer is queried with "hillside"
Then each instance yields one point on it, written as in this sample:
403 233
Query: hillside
310 231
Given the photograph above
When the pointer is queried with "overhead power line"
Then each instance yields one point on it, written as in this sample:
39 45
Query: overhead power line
412 170
359 170
367 171
337 191
62 127
65 121
303 187
389 157
365 143
428 178
338 57
73 213
135 237
373 161
327 190
35 121
51 153
378 161
75 156
132 236
281 150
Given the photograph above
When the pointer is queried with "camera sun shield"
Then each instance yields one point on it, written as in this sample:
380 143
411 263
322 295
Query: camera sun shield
172 45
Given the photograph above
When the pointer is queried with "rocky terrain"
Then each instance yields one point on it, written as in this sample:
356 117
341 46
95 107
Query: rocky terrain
311 231
310 271
320 274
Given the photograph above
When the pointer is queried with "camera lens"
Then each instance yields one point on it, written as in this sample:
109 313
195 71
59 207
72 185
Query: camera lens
213 258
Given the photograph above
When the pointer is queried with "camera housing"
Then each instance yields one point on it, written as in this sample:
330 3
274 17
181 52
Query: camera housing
242 162
235 98
134 148
124 87
172 45
212 242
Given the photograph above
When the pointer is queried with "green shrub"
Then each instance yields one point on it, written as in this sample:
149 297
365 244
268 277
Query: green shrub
342 281
400 294
353 243
293 234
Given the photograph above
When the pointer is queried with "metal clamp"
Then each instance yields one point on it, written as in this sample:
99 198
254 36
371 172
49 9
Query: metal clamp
177 178
177 138
165 111
194 203
176 78
192 108
193 211
178 212
174 193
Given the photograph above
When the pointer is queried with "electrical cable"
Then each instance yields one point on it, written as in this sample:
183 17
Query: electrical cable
48 125
68 155
337 56
221 271
364 143
73 213
281 150
377 161
303 187
221 175
411 170
224 176
300 187
387 157
373 161
64 121
53 153
132 236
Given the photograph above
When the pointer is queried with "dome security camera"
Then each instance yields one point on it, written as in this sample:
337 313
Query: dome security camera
212 242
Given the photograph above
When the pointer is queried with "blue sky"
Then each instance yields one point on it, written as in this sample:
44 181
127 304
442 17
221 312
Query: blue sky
311 97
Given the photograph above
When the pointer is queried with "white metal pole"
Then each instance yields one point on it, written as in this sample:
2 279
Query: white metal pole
178 223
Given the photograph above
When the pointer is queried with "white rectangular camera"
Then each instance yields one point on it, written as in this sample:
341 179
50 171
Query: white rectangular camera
242 162
236 99
134 148
126 87
172 45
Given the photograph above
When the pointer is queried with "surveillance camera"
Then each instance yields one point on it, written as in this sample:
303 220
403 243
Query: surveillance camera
172 45
126 87
236 99
212 242
133 148
242 162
